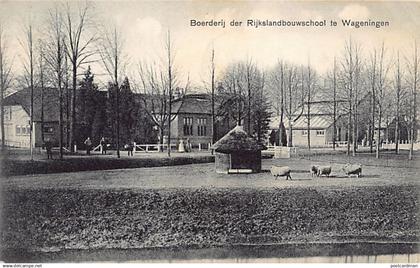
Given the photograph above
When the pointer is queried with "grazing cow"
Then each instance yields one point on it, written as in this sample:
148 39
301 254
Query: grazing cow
350 169
280 172
324 170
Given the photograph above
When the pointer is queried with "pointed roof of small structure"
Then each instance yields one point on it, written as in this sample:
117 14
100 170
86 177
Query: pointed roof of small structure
237 140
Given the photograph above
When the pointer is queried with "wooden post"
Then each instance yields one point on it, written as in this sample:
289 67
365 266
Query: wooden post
134 147
199 146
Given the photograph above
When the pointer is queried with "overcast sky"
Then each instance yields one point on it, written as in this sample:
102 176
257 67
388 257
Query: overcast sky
145 23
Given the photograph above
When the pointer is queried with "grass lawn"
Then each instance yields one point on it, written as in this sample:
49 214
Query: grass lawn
190 205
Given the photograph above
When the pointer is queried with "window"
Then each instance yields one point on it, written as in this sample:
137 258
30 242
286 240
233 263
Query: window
48 129
23 130
188 126
304 133
202 126
8 114
17 130
320 132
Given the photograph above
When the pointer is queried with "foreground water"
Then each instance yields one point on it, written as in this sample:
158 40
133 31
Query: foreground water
371 252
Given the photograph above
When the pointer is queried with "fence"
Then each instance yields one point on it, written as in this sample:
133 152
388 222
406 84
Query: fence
155 148
404 145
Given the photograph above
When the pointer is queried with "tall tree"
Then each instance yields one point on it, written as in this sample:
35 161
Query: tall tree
277 96
5 78
213 100
334 103
28 64
260 116
114 61
414 76
310 92
398 91
381 86
54 57
159 83
171 80
41 82
294 99
372 77
350 67
79 51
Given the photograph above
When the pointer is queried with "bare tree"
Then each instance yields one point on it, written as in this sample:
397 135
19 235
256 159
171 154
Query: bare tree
41 82
54 57
111 50
233 93
67 102
79 51
310 92
277 94
350 73
213 88
170 84
155 97
334 103
28 64
372 77
381 87
5 78
294 99
414 76
159 84
398 92
357 97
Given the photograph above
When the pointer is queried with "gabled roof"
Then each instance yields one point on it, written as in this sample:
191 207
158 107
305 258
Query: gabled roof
23 98
193 104
317 122
237 140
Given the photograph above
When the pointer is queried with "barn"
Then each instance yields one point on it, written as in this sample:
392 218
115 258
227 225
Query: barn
238 152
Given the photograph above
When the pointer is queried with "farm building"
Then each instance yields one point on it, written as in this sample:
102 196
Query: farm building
321 126
17 117
237 152
192 121
321 129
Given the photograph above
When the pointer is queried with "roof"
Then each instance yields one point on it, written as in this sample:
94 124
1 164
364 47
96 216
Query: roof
317 122
237 140
193 104
23 98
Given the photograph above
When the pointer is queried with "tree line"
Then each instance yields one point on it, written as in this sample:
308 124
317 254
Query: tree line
369 89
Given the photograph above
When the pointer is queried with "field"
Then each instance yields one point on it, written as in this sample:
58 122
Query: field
191 206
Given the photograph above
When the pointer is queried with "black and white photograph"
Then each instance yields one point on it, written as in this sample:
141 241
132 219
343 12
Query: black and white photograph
210 132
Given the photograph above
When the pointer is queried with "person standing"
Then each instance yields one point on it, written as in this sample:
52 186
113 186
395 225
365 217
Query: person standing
88 144
130 148
48 146
103 145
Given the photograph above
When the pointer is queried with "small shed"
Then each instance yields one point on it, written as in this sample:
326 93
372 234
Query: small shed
238 152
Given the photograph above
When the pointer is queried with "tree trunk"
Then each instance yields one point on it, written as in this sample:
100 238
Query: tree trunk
72 138
397 135
349 128
378 141
281 125
355 132
290 140
335 106
3 136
